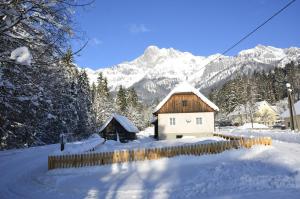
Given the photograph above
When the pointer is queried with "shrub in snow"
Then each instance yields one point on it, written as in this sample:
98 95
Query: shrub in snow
21 55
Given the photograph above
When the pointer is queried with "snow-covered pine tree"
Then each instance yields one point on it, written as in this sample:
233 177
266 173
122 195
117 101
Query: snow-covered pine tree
62 98
278 81
36 96
270 95
93 92
134 108
245 90
103 104
84 103
132 97
121 100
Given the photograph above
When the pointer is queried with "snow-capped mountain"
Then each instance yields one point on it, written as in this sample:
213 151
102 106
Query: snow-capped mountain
155 72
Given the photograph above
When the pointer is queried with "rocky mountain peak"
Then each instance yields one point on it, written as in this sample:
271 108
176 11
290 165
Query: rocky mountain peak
155 72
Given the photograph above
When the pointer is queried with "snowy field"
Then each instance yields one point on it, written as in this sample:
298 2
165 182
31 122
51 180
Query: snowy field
81 146
281 135
146 141
259 172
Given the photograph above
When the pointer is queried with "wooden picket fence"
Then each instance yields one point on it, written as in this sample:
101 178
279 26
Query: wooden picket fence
104 158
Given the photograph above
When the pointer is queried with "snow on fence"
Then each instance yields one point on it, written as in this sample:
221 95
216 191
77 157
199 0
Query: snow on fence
88 145
104 158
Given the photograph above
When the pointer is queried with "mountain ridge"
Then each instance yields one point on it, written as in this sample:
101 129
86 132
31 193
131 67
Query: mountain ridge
157 70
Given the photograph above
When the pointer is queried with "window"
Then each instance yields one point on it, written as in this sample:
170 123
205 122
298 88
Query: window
178 136
184 102
199 120
172 121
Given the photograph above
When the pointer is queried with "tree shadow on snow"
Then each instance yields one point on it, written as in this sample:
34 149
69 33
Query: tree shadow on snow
193 177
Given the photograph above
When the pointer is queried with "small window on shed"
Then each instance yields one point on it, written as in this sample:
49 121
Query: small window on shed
178 136
184 102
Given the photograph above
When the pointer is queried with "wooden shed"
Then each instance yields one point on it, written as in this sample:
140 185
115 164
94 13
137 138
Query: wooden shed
119 128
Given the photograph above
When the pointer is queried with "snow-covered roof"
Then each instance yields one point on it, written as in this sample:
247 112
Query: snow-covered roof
286 113
124 121
185 87
275 108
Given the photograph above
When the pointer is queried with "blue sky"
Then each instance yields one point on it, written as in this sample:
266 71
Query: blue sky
120 30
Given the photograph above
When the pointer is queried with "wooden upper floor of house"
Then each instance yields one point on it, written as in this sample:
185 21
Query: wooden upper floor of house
187 102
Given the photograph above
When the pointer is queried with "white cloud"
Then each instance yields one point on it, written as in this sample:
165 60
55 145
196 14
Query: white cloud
138 28
95 41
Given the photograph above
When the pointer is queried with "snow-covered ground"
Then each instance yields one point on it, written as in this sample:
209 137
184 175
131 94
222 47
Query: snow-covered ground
144 141
281 135
259 172
81 146
254 125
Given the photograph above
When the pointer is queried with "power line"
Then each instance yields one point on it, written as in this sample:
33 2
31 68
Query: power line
253 31
261 25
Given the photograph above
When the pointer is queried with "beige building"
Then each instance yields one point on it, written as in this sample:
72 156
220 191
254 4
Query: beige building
286 116
184 112
262 112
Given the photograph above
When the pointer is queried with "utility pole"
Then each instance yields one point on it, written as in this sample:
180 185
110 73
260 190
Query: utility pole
289 92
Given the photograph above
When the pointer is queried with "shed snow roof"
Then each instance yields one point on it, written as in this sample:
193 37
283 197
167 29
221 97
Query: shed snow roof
185 87
286 113
124 121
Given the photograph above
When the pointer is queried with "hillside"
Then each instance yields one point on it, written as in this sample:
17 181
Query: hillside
157 70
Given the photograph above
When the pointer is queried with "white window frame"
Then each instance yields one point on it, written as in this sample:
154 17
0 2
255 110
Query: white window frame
199 120
172 121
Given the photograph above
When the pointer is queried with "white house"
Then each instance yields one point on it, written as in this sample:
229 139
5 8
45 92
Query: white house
261 112
184 112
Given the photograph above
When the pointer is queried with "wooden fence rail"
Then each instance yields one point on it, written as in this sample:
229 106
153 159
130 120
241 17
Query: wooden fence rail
103 158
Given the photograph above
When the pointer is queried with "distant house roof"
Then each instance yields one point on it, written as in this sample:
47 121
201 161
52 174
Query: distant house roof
240 109
286 113
185 87
124 121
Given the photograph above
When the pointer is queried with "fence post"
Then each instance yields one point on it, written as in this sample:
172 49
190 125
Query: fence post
206 148
202 149
143 154
49 163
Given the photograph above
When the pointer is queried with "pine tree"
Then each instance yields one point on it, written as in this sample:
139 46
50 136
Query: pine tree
38 100
121 100
84 103
135 110
102 87
103 105
132 98
93 92
246 90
